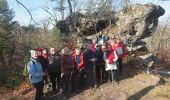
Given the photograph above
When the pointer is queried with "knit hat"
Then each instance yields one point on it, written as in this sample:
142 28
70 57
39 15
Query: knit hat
32 52
39 49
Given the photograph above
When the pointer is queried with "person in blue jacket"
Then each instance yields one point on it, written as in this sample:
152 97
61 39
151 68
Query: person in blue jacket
36 74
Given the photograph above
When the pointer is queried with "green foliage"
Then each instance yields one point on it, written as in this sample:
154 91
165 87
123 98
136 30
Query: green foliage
12 78
27 47
6 27
55 38
56 34
25 71
6 16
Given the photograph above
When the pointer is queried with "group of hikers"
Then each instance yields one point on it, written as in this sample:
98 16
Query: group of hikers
78 70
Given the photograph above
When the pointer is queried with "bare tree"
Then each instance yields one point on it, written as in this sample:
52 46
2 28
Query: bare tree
53 15
32 19
70 7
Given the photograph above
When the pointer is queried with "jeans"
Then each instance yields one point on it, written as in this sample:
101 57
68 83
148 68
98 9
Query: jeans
111 74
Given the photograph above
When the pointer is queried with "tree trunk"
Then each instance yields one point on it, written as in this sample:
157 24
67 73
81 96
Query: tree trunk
71 13
62 8
70 7
2 59
62 14
10 54
126 3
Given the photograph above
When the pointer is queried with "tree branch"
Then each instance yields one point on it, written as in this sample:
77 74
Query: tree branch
54 16
32 19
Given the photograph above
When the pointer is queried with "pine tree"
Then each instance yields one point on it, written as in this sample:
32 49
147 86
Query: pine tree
6 25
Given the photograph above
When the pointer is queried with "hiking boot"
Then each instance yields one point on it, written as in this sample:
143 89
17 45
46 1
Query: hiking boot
115 82
108 82
95 86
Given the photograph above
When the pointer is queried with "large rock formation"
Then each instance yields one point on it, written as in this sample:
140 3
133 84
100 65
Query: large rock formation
85 24
133 24
138 22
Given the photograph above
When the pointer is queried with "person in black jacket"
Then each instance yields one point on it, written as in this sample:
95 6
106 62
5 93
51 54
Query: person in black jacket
100 69
89 62
54 69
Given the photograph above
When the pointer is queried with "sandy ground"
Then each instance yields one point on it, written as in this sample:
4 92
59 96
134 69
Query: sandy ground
132 86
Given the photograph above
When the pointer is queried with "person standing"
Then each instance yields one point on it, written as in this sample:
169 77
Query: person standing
36 74
110 57
67 63
101 38
54 69
89 61
78 58
42 57
100 69
121 52
44 62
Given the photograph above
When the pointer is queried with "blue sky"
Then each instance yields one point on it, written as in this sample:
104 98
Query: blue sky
22 15
34 6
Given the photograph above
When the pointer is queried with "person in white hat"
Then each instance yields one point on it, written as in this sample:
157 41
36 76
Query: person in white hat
36 74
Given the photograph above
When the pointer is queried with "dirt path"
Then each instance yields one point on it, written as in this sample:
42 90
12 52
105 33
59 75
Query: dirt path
131 87
134 88
128 89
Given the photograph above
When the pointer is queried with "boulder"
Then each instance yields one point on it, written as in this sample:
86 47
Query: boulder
137 22
134 25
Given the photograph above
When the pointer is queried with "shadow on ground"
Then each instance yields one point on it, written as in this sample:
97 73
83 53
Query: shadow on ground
128 72
146 90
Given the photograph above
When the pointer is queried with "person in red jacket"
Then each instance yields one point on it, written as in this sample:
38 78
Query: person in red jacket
78 58
121 52
110 58
67 65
